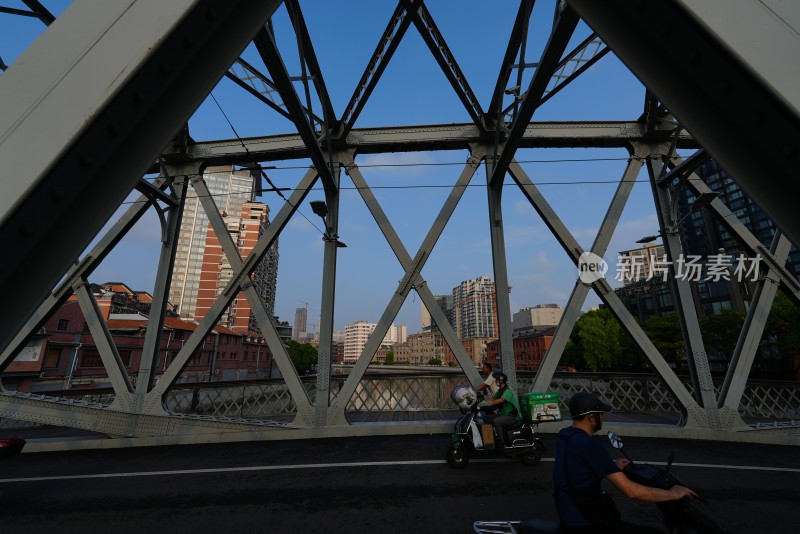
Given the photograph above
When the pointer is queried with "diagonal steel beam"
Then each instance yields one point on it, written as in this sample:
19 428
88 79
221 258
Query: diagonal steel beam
515 40
743 234
310 58
265 323
166 263
412 279
37 11
602 288
395 30
268 50
741 363
247 80
586 54
82 269
105 345
423 20
696 356
681 168
238 282
40 11
562 32
579 293
145 85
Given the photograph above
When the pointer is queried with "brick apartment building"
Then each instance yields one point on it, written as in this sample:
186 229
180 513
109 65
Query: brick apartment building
529 350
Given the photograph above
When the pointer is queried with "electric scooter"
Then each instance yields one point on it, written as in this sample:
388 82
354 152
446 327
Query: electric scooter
521 443
680 517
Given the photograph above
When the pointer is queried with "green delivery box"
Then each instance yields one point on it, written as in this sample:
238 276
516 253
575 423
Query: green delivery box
539 407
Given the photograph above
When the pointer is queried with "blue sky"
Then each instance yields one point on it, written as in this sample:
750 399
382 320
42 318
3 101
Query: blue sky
414 91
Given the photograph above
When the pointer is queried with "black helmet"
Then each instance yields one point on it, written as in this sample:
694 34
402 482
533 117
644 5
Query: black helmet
584 402
500 376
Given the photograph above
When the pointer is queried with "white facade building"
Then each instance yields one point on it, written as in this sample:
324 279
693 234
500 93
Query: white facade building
357 334
538 317
475 309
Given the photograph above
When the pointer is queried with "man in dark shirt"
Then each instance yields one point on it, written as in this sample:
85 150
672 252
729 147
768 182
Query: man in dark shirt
580 466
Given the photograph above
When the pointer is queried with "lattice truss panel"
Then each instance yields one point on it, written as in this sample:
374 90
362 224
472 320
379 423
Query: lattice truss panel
248 400
124 126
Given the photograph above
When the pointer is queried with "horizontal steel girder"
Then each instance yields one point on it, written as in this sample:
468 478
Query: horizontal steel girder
609 134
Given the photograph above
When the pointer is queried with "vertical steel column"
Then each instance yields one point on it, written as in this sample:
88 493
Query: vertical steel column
494 193
682 291
327 305
166 262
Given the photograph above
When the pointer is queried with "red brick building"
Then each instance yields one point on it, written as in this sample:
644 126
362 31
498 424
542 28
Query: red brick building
63 355
529 350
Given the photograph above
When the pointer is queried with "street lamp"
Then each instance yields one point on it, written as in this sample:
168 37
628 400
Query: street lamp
703 200
320 209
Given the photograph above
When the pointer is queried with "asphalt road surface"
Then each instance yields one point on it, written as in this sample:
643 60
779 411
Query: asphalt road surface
365 485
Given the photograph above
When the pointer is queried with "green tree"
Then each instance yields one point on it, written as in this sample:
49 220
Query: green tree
572 355
779 354
434 361
665 333
598 336
389 358
594 343
721 332
303 355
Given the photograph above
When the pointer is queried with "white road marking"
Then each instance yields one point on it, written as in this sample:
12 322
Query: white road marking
257 468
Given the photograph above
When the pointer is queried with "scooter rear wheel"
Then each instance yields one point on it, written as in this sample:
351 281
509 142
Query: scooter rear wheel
458 455
534 456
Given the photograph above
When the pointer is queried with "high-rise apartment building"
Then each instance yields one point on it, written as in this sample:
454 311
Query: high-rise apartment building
703 235
201 269
475 308
445 304
643 263
300 320
704 239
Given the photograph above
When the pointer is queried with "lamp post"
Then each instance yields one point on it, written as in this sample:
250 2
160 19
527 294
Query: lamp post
703 200
319 208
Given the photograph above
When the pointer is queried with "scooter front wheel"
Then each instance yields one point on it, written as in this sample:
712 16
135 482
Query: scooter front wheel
458 455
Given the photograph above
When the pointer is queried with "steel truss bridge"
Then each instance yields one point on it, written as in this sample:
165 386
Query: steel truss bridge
91 109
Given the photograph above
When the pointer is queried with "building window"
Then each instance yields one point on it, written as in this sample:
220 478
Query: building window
125 356
63 325
91 358
52 358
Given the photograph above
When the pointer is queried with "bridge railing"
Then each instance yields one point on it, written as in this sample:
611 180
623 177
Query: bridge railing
404 392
